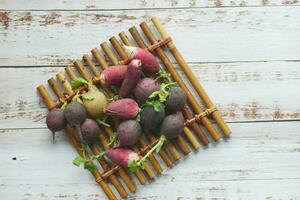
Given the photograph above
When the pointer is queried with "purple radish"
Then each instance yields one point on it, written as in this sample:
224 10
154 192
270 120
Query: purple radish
144 89
176 99
128 132
124 108
131 79
150 118
56 121
150 64
114 74
90 131
172 125
75 114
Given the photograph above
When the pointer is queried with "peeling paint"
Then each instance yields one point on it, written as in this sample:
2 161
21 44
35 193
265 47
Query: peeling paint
4 19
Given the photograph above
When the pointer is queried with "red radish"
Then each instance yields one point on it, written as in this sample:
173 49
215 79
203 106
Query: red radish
132 78
114 74
124 108
149 63
128 158
122 156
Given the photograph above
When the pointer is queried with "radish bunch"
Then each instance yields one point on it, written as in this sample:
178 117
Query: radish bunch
147 101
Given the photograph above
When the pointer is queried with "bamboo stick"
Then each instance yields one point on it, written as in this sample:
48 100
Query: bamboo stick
182 144
188 115
99 58
123 174
78 66
119 187
190 75
171 148
49 102
109 53
191 99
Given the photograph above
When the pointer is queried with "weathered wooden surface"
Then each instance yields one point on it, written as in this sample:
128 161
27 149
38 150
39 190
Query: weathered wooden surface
246 55
261 160
238 90
135 4
217 35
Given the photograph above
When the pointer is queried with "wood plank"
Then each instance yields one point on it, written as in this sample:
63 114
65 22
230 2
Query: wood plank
135 4
36 38
260 160
250 91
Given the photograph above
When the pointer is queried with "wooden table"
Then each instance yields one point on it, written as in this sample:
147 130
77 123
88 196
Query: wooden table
245 53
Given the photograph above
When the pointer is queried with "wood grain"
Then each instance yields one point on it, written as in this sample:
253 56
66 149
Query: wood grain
260 162
136 4
251 91
44 38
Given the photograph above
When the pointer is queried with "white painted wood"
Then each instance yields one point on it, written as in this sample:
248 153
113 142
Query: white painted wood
259 161
216 35
134 4
253 91
246 56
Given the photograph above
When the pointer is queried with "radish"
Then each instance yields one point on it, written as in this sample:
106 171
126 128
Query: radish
56 121
124 108
131 79
122 156
149 63
128 132
176 99
94 101
172 125
114 74
151 117
144 88
90 131
128 158
75 114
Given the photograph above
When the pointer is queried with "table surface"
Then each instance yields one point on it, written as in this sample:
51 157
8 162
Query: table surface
245 53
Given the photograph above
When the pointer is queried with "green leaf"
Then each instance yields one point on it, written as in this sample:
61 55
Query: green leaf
163 96
154 95
78 82
87 97
133 165
154 103
166 86
79 160
89 166
162 74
